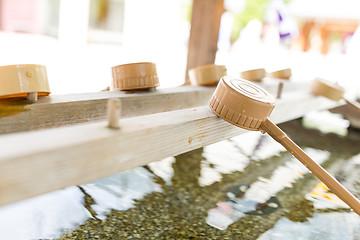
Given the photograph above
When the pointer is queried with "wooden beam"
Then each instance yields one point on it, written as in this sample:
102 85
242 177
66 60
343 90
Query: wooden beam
33 163
204 33
56 111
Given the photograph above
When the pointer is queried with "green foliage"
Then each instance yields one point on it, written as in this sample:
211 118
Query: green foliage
254 9
186 10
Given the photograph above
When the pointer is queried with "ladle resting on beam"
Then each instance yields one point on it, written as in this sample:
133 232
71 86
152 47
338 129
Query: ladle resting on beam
248 106
333 91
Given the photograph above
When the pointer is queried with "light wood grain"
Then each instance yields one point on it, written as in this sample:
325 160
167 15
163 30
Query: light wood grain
56 111
33 163
114 112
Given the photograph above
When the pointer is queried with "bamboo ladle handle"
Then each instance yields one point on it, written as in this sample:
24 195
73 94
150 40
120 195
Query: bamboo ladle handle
276 133
353 103
248 106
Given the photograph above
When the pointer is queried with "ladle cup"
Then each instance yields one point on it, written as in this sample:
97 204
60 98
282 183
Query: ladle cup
255 75
285 74
134 76
333 91
248 106
24 80
207 75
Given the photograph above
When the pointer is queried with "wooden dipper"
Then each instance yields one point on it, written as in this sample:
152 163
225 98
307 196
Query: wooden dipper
133 76
23 80
255 75
333 91
207 75
282 74
248 106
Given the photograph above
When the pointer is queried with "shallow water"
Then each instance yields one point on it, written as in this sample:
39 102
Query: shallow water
247 187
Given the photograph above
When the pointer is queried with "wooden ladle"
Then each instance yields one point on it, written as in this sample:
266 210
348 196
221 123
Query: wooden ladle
255 75
248 106
24 80
207 75
285 74
133 76
330 90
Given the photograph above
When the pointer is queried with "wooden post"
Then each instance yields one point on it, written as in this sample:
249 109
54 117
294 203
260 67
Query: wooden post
114 108
279 90
204 33
324 34
32 96
305 34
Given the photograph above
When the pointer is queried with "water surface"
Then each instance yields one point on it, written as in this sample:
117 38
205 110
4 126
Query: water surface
247 187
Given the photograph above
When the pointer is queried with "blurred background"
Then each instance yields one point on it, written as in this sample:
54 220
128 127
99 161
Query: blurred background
79 41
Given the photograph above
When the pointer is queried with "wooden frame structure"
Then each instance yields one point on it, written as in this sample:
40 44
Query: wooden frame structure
88 107
61 110
154 125
37 162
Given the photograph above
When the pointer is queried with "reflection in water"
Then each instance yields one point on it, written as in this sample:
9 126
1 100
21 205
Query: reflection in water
119 191
326 122
251 173
329 226
260 192
53 214
163 169
350 174
46 216
258 146
323 198
221 158
234 155
180 209
332 219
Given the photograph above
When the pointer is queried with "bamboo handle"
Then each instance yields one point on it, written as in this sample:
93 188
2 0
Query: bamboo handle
276 133
353 103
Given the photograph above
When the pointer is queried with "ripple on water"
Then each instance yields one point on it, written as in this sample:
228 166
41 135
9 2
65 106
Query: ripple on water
258 198
321 226
231 176
51 215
